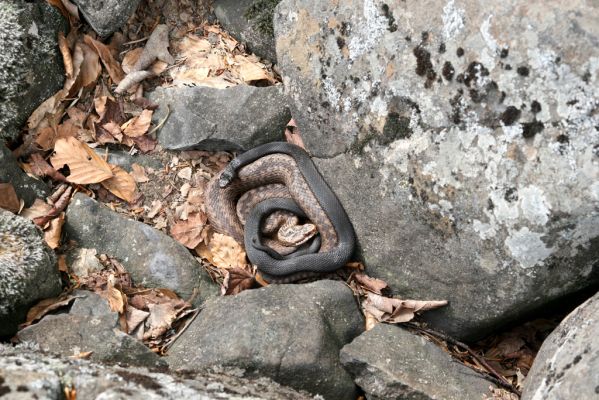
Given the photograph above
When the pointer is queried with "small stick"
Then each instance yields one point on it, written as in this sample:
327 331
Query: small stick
496 375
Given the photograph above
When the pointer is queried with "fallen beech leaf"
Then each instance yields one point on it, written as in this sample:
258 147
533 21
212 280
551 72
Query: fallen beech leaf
160 319
372 284
139 173
222 251
40 167
238 280
39 208
391 310
135 317
116 299
189 233
114 130
121 184
84 164
111 65
50 106
90 67
52 234
45 306
8 198
139 125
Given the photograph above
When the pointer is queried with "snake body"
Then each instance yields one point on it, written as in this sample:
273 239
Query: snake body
288 165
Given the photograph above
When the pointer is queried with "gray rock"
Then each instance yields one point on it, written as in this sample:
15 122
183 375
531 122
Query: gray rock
31 68
106 16
460 137
152 258
28 270
25 186
89 326
27 374
566 365
290 333
389 362
250 21
235 118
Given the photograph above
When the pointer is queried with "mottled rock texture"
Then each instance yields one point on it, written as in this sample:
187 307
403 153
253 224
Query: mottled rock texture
89 326
25 186
31 68
27 374
290 333
106 16
462 138
235 118
250 22
388 362
152 258
28 270
567 365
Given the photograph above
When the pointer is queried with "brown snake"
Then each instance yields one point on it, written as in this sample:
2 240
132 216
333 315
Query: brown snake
289 165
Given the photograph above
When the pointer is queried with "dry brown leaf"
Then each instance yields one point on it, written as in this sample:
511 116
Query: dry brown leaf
139 173
39 208
62 263
84 164
371 284
135 317
370 320
189 233
51 106
238 280
121 184
116 299
139 125
63 46
40 167
115 132
111 65
160 319
222 251
391 310
90 67
8 198
52 234
45 306
130 59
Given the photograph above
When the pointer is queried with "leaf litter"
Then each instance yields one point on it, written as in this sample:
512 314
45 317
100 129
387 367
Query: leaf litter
102 103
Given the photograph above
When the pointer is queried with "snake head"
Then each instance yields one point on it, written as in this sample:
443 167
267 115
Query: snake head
228 174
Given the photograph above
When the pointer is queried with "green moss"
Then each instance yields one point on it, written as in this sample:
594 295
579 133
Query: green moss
260 13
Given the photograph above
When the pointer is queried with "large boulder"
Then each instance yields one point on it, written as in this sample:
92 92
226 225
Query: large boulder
89 326
31 68
250 21
26 374
28 270
235 118
566 365
461 138
290 333
106 16
388 362
26 187
152 258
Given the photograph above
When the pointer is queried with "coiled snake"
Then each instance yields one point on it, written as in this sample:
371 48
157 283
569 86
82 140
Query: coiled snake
308 196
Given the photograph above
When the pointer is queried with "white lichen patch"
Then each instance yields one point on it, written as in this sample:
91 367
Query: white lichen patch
485 31
367 30
534 205
453 20
527 248
484 230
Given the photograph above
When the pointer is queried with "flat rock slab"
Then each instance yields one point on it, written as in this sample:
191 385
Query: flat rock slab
152 258
27 374
389 362
232 14
567 365
28 271
106 16
25 186
290 333
236 118
460 139
91 326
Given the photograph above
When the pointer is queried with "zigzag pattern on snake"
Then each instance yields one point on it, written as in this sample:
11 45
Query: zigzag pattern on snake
289 165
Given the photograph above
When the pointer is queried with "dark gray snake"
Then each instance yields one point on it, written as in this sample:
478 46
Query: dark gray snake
309 196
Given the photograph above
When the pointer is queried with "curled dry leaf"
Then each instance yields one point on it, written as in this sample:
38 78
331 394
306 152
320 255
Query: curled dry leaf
222 251
387 309
8 198
111 65
116 299
189 233
160 319
84 164
39 208
139 173
53 232
51 106
238 280
135 317
138 126
121 184
45 306
40 167
370 284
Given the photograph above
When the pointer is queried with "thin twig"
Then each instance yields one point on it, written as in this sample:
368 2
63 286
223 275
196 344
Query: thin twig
168 112
497 377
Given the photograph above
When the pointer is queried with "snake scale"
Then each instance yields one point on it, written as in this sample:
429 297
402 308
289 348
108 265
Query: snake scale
308 196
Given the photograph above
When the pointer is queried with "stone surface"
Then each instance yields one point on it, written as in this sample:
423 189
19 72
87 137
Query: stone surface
106 16
28 271
290 333
26 187
566 365
91 326
240 117
389 362
461 137
250 22
31 68
152 258
27 374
